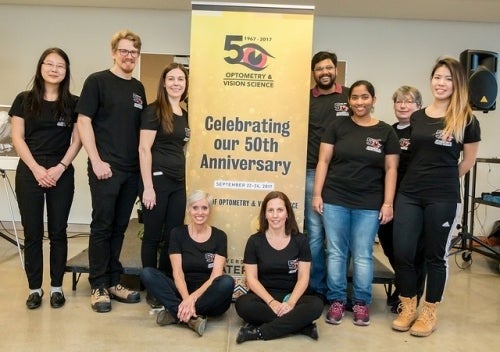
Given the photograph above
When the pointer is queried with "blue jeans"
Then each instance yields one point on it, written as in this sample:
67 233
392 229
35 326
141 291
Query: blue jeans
350 231
213 302
316 235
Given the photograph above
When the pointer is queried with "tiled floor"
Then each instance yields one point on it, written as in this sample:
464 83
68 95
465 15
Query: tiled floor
469 319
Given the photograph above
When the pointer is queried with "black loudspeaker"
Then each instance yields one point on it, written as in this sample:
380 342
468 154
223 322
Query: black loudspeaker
481 69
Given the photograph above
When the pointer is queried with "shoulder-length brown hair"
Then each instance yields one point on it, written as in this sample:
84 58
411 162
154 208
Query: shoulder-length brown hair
163 108
291 226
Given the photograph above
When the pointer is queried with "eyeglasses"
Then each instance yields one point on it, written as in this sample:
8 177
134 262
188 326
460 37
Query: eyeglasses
406 102
53 65
125 52
321 68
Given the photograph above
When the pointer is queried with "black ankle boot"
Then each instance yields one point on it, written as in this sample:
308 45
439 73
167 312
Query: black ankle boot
310 330
248 333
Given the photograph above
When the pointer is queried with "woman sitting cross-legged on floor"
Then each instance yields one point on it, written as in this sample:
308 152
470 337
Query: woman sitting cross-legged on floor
199 287
277 262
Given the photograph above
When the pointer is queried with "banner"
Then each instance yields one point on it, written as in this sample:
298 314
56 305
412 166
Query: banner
248 112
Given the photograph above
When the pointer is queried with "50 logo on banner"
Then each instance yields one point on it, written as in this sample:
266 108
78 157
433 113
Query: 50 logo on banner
250 55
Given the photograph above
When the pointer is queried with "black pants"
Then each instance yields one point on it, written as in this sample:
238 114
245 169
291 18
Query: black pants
31 199
213 302
432 223
255 311
112 203
168 213
386 237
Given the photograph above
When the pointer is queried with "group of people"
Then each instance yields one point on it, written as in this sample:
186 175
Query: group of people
363 177
403 182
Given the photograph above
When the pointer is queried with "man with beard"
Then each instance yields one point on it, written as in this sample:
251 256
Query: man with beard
327 100
110 108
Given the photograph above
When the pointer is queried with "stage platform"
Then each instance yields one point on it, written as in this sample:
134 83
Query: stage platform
131 261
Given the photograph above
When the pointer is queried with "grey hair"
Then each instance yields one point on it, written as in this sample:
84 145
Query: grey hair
408 91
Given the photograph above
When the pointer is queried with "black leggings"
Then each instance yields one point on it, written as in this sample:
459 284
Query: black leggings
255 311
432 223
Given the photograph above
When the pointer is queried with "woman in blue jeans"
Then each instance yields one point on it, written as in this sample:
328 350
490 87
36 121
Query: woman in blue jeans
199 286
354 191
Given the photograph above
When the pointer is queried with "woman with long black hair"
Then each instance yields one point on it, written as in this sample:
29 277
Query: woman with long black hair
45 136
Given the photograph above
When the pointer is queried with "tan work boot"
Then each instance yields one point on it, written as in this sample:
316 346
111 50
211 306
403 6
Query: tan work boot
123 294
198 324
407 313
426 321
99 300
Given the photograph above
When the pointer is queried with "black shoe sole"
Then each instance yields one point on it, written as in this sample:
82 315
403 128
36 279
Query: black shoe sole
101 307
125 300
58 304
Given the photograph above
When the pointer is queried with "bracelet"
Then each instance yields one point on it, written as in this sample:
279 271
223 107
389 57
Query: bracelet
387 205
64 165
271 301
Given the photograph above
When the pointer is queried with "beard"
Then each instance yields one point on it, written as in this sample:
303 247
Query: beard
325 86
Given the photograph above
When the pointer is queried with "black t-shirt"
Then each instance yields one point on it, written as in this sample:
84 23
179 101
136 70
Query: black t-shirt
44 134
115 105
277 269
322 109
355 177
167 149
404 144
197 258
433 169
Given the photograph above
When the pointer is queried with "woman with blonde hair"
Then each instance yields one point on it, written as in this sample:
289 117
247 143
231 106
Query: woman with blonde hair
199 287
444 142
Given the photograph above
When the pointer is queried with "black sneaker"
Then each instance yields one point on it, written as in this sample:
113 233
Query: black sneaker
393 299
310 330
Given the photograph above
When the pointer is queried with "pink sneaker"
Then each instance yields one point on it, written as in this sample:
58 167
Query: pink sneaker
361 314
335 313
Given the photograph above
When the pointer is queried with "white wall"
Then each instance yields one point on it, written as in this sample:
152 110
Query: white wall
389 53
